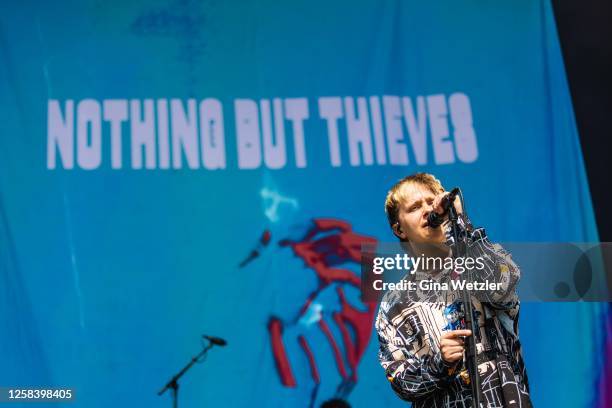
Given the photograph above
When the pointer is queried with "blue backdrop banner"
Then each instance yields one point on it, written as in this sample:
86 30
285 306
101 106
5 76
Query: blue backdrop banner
176 168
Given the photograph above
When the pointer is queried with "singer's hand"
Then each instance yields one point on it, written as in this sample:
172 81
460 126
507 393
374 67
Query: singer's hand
452 345
438 204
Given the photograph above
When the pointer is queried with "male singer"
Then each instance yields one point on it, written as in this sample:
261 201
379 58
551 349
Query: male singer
422 342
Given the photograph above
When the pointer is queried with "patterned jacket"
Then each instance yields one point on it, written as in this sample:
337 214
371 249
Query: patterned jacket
409 330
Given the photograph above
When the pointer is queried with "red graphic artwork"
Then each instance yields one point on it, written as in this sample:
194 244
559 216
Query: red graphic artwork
328 244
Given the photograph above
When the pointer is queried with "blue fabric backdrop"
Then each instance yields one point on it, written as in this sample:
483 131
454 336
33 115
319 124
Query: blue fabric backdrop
110 275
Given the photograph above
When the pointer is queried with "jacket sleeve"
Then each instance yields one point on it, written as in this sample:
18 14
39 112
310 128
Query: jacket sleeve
411 377
495 265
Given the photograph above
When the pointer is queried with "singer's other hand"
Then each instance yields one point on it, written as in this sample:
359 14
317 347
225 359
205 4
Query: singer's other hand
452 345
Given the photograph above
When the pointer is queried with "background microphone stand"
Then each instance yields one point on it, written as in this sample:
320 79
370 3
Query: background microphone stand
173 383
460 250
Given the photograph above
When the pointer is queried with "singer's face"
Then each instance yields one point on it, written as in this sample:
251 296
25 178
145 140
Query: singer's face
417 203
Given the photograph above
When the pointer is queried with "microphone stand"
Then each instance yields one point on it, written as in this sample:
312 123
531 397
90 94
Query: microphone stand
173 383
460 250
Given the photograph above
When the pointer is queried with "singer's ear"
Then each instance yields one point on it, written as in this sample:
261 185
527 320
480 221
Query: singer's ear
397 230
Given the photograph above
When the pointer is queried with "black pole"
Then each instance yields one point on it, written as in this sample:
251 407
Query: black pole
175 387
459 249
173 383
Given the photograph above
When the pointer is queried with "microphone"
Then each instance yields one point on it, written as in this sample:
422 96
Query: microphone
434 220
217 341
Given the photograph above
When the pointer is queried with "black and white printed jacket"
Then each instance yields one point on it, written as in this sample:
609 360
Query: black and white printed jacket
409 331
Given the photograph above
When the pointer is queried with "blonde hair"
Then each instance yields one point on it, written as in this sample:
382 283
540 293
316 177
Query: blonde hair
393 200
